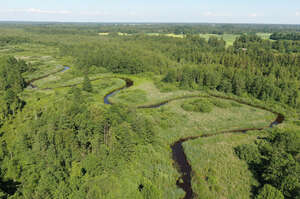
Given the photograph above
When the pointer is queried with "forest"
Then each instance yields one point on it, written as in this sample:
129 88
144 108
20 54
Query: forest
149 111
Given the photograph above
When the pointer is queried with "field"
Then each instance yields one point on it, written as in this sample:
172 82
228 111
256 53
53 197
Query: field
228 38
264 35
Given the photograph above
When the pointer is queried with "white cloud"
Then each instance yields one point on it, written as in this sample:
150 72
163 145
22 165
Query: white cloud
298 13
253 15
35 10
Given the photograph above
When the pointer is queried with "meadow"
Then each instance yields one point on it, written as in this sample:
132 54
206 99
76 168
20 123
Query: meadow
218 172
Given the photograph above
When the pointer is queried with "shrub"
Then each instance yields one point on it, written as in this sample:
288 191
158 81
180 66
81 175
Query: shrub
188 107
249 153
87 86
200 105
235 104
269 192
220 104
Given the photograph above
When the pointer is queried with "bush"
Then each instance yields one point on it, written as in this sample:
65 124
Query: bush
200 105
235 104
249 153
87 85
274 160
269 192
220 104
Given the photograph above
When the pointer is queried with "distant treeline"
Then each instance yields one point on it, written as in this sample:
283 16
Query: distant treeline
135 28
197 28
286 36
13 40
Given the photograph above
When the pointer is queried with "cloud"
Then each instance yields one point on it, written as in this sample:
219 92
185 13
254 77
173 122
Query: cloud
298 13
37 11
253 15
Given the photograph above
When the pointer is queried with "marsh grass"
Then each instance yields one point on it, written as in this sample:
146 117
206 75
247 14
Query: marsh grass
133 97
153 94
217 171
198 105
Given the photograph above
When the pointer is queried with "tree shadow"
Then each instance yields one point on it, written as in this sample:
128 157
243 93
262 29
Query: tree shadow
10 187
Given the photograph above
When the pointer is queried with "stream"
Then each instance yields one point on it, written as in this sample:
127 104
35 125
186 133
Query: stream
30 82
181 162
129 83
178 155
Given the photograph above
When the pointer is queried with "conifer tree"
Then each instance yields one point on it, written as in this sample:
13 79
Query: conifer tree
87 86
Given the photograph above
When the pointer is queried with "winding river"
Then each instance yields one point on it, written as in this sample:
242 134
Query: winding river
129 83
30 82
178 155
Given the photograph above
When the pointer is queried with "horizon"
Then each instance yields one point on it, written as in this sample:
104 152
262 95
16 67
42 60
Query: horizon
133 11
143 23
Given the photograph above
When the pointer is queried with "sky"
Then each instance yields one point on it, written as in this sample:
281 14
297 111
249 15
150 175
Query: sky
193 11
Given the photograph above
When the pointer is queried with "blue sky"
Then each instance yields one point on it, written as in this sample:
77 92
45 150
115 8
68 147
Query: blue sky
216 11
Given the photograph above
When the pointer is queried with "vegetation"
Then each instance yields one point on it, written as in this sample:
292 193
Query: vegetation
11 84
199 105
58 139
269 192
274 161
286 36
86 85
218 172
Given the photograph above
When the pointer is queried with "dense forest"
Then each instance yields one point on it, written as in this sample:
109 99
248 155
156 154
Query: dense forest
58 139
264 69
274 160
285 36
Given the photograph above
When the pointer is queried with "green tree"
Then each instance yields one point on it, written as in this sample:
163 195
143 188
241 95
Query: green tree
87 86
269 192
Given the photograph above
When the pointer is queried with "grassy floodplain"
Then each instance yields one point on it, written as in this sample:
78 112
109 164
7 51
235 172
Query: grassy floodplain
218 172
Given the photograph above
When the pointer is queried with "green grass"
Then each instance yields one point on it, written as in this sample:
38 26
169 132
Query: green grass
152 94
217 172
227 114
183 123
133 97
198 105
264 35
228 38
42 58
